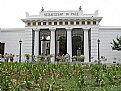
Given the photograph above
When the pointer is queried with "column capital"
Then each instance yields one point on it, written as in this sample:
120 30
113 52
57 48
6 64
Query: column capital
86 28
52 29
69 28
36 29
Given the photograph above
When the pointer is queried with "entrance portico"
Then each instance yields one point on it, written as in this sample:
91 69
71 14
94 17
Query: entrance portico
63 32
54 45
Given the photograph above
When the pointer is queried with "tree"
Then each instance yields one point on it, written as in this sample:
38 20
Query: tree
116 44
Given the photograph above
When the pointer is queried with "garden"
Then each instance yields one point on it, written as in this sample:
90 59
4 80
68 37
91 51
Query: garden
43 76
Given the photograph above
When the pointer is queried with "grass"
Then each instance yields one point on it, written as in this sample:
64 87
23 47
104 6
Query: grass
59 77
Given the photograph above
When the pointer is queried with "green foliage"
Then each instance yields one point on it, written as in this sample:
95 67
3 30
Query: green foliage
59 77
116 44
27 56
11 56
0 55
81 80
81 58
41 57
98 75
50 55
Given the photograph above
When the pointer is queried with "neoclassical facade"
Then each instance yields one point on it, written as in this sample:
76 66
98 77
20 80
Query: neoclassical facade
53 32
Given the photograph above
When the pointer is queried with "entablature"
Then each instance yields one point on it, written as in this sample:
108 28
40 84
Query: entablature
75 17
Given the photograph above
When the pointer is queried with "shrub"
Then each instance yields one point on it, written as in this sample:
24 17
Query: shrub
0 56
74 58
81 58
41 57
11 56
27 56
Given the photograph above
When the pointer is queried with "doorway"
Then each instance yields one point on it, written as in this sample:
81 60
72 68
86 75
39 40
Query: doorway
2 48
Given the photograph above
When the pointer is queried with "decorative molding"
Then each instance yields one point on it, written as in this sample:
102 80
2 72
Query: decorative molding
52 28
110 28
12 29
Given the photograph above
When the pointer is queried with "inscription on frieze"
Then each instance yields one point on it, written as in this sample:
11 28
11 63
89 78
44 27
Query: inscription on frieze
62 14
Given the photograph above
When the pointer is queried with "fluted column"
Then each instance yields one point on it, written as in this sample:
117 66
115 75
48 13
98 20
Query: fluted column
69 42
52 44
86 44
36 43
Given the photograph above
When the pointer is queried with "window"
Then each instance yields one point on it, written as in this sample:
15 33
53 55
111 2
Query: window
94 22
60 23
50 23
66 22
72 23
77 22
44 23
39 23
88 22
55 23
83 22
28 24
34 23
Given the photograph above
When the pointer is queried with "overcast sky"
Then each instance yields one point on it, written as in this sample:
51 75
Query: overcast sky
12 11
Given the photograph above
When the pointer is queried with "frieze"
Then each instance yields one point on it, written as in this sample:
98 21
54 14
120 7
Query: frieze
61 14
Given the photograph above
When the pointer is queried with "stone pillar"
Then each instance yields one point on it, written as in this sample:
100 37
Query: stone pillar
41 47
69 43
52 44
36 43
44 45
57 46
86 45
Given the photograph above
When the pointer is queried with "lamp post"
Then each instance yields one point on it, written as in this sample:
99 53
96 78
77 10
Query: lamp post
20 42
98 41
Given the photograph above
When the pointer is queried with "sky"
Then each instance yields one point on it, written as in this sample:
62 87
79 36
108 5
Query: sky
12 11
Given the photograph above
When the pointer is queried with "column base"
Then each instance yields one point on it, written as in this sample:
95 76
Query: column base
52 60
86 60
70 60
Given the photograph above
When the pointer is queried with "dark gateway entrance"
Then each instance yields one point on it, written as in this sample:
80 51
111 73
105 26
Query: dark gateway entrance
77 42
63 45
61 41
2 48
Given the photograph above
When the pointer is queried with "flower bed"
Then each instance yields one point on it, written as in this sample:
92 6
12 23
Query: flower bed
59 77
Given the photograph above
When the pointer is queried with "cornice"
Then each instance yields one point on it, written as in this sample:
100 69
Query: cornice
110 28
12 29
64 18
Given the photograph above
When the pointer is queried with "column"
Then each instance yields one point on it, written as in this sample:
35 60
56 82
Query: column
69 42
86 45
57 46
41 47
52 44
36 43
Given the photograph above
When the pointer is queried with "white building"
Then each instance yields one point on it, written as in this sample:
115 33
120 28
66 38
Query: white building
53 32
